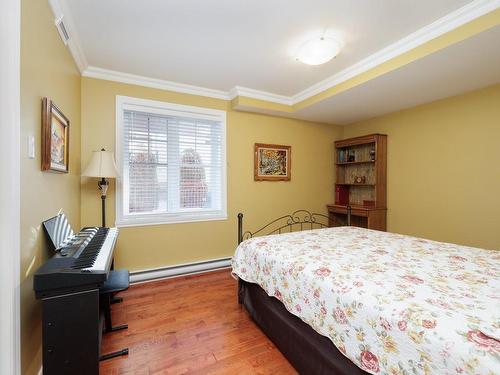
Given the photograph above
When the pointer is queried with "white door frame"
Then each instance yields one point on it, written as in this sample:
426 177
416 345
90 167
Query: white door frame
10 36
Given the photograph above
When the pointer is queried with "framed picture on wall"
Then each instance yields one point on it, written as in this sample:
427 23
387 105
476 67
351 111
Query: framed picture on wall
272 162
55 138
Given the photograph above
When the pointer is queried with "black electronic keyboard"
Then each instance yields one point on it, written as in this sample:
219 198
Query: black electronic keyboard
69 287
81 262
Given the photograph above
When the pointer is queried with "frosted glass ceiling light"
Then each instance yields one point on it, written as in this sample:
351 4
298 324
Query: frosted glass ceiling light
319 51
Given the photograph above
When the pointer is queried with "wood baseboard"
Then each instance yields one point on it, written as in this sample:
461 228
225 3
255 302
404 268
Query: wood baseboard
179 270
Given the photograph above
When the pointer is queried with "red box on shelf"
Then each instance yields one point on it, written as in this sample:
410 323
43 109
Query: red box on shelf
342 195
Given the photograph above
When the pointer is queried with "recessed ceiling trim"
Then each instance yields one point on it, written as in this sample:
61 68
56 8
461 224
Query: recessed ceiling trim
60 10
111 75
455 36
441 26
261 95
245 102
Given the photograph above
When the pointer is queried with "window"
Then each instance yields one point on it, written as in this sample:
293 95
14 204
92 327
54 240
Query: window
172 163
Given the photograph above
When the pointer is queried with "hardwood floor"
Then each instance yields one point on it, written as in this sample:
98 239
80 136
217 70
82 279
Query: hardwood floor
189 325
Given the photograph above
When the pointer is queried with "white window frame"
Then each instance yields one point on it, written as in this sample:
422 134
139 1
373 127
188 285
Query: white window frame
170 109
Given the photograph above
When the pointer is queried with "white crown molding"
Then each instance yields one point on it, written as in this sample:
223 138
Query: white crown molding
60 9
453 20
257 94
439 27
112 75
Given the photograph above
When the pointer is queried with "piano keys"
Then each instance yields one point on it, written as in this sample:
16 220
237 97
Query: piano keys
81 262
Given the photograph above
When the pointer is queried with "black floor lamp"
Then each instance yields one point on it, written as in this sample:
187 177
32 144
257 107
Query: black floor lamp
102 165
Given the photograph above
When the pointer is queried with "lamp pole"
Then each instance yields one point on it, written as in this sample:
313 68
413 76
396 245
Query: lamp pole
103 187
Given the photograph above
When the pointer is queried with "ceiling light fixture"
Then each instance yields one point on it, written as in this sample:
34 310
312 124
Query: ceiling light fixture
319 50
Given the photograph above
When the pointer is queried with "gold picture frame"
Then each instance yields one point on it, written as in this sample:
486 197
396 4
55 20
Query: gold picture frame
55 138
272 162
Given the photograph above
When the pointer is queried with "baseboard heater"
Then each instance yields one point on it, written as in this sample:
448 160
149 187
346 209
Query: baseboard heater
180 270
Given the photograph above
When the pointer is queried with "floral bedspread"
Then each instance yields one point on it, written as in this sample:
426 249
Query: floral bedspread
392 304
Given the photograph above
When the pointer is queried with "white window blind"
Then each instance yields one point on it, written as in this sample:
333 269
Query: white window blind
172 161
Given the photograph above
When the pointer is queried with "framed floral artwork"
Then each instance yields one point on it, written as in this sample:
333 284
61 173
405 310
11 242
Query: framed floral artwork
55 138
272 162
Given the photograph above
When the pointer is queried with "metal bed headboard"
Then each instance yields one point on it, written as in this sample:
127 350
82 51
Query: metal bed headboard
303 218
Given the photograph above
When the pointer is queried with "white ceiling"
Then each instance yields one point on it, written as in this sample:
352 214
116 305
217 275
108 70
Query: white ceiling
219 44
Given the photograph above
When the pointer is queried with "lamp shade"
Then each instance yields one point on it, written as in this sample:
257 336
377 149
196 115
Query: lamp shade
101 165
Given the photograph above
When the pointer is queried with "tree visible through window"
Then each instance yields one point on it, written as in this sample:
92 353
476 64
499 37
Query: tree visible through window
143 179
172 162
194 189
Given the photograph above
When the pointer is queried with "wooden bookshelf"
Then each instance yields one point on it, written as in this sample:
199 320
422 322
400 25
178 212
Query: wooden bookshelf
361 182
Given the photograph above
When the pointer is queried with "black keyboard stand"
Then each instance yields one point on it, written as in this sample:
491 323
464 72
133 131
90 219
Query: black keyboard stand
116 300
118 353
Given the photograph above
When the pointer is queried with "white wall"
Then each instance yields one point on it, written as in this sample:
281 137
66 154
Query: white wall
9 185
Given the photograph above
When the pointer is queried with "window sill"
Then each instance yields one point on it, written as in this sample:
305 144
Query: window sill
139 222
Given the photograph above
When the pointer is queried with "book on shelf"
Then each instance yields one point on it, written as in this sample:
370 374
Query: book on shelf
341 195
347 155
351 156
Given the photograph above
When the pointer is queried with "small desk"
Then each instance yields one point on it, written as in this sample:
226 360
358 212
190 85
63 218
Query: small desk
364 217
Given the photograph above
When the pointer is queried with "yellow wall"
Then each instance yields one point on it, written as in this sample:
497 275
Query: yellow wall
47 69
162 245
444 168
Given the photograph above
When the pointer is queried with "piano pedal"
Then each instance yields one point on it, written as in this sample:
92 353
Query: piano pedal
116 300
118 353
116 328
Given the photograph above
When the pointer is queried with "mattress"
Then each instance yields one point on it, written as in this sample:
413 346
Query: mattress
392 304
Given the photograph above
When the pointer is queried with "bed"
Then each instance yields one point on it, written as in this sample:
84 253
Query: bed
349 300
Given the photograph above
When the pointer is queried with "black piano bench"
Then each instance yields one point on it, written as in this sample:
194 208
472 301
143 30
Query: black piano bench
118 281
